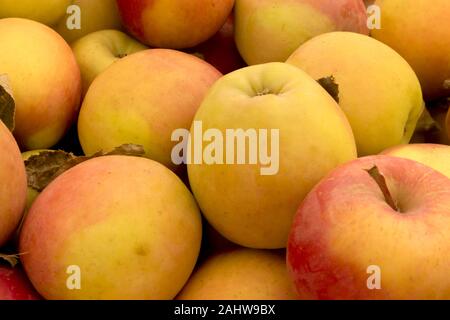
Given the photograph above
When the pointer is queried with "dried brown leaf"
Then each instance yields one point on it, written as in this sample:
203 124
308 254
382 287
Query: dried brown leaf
330 85
7 103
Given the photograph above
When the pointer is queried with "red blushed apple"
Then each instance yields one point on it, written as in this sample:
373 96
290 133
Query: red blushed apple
174 24
221 50
14 285
350 240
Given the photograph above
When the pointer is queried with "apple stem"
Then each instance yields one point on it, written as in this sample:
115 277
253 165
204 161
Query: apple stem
381 182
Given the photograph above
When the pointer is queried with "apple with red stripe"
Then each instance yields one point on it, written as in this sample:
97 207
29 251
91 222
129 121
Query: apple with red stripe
174 24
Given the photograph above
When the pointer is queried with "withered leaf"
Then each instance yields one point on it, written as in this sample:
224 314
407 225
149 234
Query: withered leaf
426 122
12 259
7 103
44 167
330 85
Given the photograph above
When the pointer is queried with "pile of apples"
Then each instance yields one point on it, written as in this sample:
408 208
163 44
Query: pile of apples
119 179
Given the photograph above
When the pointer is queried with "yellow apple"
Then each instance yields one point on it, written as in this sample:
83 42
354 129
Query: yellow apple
127 227
378 91
48 12
241 274
270 30
13 184
95 15
98 50
299 132
436 156
142 99
420 31
45 80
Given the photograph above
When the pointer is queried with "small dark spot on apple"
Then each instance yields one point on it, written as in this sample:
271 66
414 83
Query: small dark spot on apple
141 250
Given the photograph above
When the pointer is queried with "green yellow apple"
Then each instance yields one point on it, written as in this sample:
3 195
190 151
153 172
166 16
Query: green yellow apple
174 24
48 12
98 50
127 225
420 32
142 99
241 274
45 80
293 130
348 242
95 15
378 91
13 186
436 156
270 30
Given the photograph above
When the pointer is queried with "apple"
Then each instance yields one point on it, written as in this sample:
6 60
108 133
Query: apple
48 12
378 91
98 50
13 187
45 81
221 50
351 240
174 24
241 274
436 156
96 15
420 32
269 31
142 99
14 285
118 244
252 202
